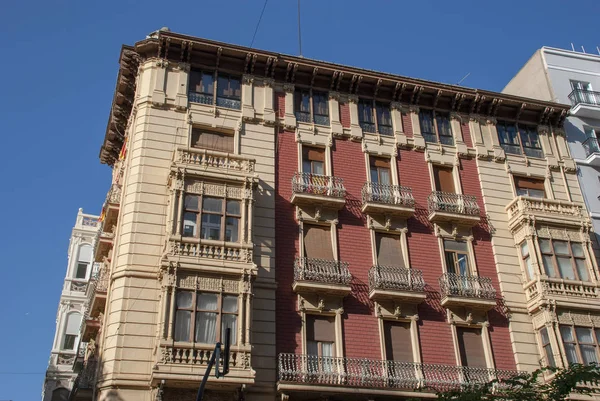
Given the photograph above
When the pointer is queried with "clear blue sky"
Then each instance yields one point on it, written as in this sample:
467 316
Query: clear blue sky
59 63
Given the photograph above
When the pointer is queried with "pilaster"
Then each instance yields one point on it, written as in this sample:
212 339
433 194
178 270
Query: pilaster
355 130
248 111
419 141
181 97
158 91
334 113
289 119
396 111
269 94
455 121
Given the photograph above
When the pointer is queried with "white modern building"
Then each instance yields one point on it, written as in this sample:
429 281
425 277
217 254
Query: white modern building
570 77
67 351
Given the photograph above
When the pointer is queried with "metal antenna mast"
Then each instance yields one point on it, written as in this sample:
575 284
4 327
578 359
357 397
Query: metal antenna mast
299 31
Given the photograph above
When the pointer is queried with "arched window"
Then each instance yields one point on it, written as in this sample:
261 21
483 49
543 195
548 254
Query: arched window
60 394
84 259
71 331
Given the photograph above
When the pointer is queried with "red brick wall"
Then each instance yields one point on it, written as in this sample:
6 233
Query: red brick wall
407 123
280 104
345 115
466 133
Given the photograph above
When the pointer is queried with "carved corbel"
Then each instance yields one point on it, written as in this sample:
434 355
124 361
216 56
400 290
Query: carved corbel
436 98
417 90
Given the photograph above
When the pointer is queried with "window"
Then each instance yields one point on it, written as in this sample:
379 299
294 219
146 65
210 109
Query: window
365 115
60 394
313 160
581 344
398 345
471 347
84 258
380 171
203 317
384 119
375 117
526 257
519 139
311 106
317 242
457 257
581 85
563 259
202 89
320 335
71 331
218 220
212 140
530 187
590 144
443 179
389 250
435 127
545 339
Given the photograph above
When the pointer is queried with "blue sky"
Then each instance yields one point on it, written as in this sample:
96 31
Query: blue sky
59 63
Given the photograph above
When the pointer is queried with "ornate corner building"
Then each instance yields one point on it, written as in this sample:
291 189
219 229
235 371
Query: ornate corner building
67 354
363 235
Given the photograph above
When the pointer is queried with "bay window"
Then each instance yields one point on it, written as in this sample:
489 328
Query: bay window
563 259
580 344
84 258
311 106
203 317
71 334
547 347
526 257
211 218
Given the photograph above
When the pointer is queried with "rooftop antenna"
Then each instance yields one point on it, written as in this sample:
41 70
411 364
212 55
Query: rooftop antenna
598 49
299 31
465 77
582 49
572 47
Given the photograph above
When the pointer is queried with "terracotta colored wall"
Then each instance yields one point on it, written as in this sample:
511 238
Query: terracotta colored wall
407 125
345 115
464 127
280 104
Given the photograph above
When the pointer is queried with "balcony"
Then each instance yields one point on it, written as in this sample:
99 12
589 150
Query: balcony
585 103
454 208
347 375
387 199
196 249
214 164
83 388
318 190
592 152
396 283
562 293
321 275
472 291
188 362
525 208
96 294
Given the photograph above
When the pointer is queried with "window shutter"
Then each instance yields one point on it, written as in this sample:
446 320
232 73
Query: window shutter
471 347
529 183
85 253
444 181
389 251
73 324
317 242
313 154
320 328
398 345
212 141
380 162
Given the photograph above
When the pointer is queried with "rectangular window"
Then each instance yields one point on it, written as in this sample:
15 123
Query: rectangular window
444 130
317 242
530 141
229 92
563 259
309 103
365 115
320 336
313 160
509 138
435 127
580 343
427 127
457 257
519 139
530 187
471 347
69 342
201 88
526 257
398 345
545 340
203 317
217 141
81 270
389 250
219 218
380 171
443 179
384 118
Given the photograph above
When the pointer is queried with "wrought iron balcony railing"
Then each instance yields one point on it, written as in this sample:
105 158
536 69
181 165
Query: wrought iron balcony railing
395 278
356 372
302 117
578 96
318 185
197 97
385 129
367 127
452 203
591 146
452 284
229 103
388 194
322 271
87 377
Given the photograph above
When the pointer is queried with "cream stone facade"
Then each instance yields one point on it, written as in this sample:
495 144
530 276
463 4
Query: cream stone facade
67 349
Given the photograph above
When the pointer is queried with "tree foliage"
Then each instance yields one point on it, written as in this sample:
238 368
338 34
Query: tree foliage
546 384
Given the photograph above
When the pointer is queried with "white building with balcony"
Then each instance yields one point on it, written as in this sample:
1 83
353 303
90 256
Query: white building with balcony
570 77
67 350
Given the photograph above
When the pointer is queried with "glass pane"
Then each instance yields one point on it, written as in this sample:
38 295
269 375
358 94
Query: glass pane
301 101
535 193
450 263
206 85
233 207
73 323
183 321
463 264
365 112
511 132
581 269
566 268
561 247
548 266
588 353
206 327
232 229
306 166
577 250
584 335
571 353
566 333
211 227
327 349
549 356
384 116
191 202
545 246
522 192
189 224
544 335
184 300
212 204
69 342
320 103
312 348
524 249
384 175
374 175
85 253
207 301
230 304
426 122
81 270
229 322
443 125
529 267
318 168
